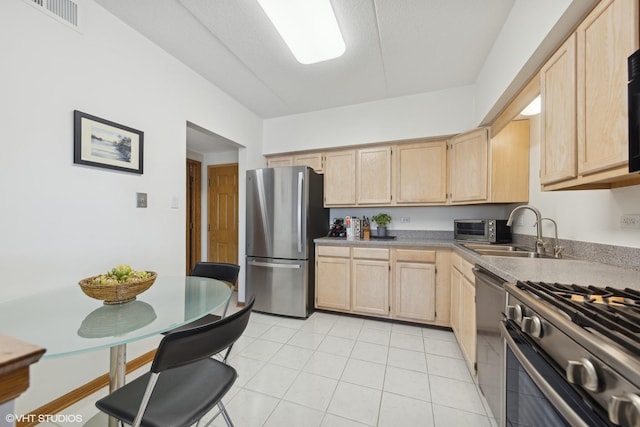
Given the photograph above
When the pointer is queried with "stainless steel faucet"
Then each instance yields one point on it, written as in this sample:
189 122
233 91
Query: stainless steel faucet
540 250
557 249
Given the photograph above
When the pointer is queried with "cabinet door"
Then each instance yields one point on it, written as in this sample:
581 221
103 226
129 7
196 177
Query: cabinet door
276 162
605 39
340 178
558 153
370 287
456 278
421 173
468 322
374 176
510 163
415 291
313 160
469 159
333 283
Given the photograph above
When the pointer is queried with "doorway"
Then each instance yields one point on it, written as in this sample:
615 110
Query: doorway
193 214
222 196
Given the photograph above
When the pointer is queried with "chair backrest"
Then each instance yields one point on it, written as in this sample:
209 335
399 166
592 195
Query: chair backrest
217 270
190 345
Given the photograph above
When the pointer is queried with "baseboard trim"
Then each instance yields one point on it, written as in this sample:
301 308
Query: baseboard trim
82 392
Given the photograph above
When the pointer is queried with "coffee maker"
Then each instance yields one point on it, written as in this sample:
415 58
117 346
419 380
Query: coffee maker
337 228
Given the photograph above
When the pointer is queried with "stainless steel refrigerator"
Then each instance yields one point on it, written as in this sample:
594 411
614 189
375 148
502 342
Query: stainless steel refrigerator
284 214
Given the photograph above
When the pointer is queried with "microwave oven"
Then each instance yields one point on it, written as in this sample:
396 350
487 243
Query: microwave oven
634 111
482 230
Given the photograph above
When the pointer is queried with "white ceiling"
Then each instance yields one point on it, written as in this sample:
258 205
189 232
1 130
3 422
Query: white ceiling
393 48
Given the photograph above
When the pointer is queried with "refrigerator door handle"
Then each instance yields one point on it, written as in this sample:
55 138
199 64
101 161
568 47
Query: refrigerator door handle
274 265
300 183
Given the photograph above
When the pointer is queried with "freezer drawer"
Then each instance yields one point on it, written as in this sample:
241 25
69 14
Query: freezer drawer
280 286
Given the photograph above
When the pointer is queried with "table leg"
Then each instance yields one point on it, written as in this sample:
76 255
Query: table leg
117 371
117 366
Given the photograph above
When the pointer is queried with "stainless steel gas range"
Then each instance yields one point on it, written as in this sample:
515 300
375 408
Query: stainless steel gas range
572 355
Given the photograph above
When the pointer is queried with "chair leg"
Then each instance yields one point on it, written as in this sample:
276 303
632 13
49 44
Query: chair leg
225 415
226 307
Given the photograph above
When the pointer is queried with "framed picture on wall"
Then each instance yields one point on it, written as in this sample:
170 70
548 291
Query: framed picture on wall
105 144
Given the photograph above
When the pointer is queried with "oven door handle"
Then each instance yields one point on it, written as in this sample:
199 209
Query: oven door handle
558 403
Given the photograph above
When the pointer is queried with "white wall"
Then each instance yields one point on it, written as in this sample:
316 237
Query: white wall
61 221
524 30
430 114
584 215
437 218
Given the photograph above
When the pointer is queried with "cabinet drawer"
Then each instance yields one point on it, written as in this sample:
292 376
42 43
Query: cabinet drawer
414 255
337 251
371 253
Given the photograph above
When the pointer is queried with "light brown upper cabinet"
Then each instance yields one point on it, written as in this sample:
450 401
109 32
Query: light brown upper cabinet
313 160
420 173
490 170
279 161
509 167
468 166
558 152
585 134
373 176
340 178
358 177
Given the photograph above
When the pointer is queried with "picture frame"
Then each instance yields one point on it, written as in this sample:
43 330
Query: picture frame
105 144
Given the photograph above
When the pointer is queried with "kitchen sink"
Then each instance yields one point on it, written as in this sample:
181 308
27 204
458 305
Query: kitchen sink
483 246
511 251
515 253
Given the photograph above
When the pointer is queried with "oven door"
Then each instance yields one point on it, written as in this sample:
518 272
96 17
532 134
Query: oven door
537 393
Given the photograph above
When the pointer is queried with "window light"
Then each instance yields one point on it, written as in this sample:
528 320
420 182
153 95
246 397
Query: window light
533 108
308 27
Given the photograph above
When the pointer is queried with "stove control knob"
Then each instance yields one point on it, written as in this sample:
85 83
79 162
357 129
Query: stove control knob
583 372
625 410
532 326
514 312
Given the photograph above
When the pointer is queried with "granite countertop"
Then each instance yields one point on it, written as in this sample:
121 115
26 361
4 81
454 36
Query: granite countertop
568 271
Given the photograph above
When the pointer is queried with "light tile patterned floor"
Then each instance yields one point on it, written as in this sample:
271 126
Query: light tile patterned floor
340 371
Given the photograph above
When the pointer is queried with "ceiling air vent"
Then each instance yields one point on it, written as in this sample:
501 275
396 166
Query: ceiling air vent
63 10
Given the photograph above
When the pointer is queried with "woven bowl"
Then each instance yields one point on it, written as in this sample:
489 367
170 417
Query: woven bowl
116 294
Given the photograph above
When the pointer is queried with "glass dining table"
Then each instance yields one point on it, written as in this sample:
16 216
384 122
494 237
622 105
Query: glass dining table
65 321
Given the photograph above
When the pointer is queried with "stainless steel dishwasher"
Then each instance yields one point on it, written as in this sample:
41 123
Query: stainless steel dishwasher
491 300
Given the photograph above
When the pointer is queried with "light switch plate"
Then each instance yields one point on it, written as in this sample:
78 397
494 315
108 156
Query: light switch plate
141 200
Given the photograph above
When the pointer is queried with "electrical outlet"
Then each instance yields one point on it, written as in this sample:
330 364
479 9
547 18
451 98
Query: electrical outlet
141 200
405 219
630 221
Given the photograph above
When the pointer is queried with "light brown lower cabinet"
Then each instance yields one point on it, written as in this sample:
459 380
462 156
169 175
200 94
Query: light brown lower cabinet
370 287
392 283
333 280
463 308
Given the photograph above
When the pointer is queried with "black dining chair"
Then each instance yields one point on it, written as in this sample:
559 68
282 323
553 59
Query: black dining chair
184 382
213 270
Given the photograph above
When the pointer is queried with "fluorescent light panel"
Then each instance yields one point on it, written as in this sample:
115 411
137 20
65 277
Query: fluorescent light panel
308 27
533 108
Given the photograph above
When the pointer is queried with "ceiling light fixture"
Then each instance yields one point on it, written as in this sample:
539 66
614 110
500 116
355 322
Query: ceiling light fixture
533 108
308 27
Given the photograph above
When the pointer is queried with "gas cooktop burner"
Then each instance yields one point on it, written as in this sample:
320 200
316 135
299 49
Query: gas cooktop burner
613 313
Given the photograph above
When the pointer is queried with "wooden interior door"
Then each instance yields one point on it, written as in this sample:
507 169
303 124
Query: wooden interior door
223 213
193 214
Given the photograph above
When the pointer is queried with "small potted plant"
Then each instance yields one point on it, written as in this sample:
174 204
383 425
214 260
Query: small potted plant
382 219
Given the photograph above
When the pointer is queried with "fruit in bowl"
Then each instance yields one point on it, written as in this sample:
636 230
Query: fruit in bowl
121 284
